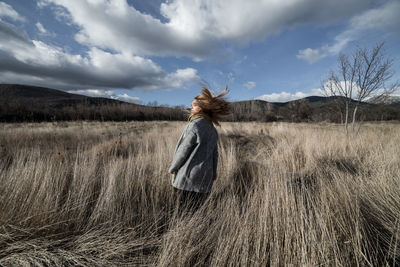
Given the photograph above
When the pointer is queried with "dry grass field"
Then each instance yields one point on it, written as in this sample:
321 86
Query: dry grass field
98 194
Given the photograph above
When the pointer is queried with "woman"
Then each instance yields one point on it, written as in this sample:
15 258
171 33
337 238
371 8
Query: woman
194 164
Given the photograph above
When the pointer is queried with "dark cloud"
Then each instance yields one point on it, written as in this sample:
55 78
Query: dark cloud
10 33
21 58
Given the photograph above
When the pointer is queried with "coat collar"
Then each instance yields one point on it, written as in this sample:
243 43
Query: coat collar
199 115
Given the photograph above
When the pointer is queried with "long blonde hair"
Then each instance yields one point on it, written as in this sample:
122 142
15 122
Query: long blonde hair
212 107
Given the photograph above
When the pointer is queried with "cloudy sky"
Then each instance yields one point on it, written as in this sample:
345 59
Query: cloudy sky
144 51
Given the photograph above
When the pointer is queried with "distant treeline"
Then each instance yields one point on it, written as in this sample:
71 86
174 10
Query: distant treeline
303 111
299 111
17 112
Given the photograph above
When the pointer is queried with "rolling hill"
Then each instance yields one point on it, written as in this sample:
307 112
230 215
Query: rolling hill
32 103
48 97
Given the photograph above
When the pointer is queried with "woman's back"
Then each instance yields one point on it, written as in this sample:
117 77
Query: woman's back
194 165
196 157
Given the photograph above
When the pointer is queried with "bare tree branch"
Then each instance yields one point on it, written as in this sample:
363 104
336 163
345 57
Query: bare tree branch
361 79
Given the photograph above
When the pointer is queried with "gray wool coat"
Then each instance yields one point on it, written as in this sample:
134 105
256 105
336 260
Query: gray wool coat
196 157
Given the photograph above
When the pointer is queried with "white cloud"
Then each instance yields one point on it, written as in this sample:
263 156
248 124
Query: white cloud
181 76
311 55
7 11
185 74
120 27
249 85
107 94
193 27
40 27
224 19
128 98
385 17
393 96
285 96
41 3
42 30
93 92
396 92
342 88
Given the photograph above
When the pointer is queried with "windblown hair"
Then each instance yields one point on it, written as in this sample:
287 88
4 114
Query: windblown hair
213 107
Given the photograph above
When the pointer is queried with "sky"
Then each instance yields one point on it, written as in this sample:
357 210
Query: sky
161 52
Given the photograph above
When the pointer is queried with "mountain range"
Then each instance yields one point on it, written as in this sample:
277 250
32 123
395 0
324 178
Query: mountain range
26 102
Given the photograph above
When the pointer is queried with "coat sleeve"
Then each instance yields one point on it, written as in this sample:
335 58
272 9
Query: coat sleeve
215 161
183 151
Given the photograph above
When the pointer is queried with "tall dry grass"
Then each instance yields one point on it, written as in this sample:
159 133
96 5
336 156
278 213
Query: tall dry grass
98 194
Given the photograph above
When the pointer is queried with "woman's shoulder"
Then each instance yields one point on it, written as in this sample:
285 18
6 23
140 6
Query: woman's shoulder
201 124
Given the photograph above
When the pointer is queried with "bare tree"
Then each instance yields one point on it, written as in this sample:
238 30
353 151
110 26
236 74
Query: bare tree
360 77
372 70
340 84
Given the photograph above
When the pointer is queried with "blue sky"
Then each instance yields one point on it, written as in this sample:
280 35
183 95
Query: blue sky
145 51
